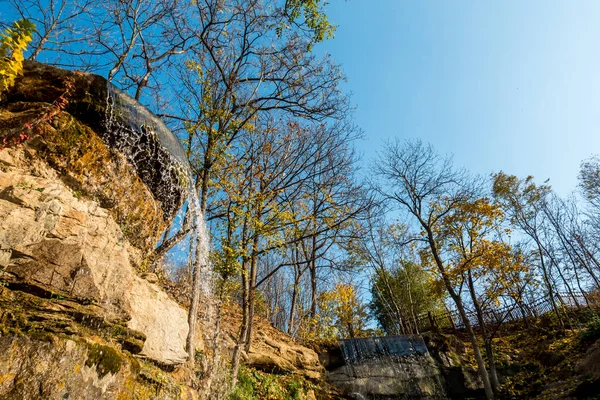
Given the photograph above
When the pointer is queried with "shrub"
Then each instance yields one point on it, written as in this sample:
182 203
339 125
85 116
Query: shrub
12 46
591 331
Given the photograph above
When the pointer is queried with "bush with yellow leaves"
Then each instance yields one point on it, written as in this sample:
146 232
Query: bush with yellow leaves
13 43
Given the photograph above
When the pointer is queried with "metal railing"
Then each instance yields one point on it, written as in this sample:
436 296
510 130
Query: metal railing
519 310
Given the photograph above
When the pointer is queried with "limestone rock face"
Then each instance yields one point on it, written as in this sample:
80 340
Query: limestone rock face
163 322
58 368
271 355
83 162
52 239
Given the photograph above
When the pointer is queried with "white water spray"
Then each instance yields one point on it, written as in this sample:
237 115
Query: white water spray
162 164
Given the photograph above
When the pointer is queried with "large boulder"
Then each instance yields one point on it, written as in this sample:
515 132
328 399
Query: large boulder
590 366
162 321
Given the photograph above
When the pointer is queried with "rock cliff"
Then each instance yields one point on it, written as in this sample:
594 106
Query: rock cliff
78 218
407 367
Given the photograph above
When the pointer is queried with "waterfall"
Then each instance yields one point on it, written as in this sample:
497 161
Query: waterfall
388 367
162 164
150 146
389 350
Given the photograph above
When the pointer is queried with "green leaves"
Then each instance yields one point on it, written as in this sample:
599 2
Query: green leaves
313 13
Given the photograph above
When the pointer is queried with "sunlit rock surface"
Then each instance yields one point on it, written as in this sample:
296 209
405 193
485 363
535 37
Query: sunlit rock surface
72 245
61 368
84 197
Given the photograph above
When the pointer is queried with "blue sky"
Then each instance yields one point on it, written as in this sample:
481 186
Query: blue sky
502 85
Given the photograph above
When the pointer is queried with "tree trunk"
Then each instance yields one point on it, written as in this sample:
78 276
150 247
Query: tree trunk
548 283
241 341
313 279
251 294
297 276
489 351
489 393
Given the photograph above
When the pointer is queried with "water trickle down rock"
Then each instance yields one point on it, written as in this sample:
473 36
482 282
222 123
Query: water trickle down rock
101 150
149 145
388 367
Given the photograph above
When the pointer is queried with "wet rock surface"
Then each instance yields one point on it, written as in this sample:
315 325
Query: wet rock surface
412 368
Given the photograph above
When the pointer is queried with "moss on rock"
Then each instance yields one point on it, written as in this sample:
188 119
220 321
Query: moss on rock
105 358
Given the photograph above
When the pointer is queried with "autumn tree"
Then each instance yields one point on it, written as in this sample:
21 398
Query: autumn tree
413 178
471 237
260 205
241 70
523 201
401 287
401 295
340 314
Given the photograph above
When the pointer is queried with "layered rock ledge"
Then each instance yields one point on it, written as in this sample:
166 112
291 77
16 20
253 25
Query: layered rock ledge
79 213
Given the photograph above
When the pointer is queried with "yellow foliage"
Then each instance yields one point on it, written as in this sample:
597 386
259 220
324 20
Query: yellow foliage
341 315
472 237
12 46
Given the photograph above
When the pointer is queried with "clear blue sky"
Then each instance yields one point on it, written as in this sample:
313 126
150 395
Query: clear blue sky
511 85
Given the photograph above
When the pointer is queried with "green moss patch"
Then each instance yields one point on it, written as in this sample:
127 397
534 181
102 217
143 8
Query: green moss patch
105 358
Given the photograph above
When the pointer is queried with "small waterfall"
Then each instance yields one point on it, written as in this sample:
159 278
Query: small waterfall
202 244
388 349
150 146
162 164
396 366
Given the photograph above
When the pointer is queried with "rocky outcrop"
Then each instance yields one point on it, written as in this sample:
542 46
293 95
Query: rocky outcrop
75 155
54 240
79 215
121 123
272 351
62 368
278 356
54 347
415 377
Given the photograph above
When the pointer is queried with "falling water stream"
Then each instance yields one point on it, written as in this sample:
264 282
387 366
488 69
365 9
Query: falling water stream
391 359
162 164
